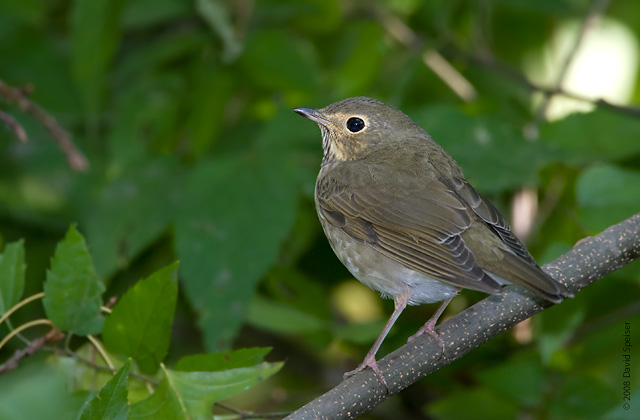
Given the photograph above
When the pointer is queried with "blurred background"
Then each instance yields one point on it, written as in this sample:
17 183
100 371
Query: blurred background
184 147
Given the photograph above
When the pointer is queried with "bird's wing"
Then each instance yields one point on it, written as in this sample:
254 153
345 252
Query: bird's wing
418 225
492 217
518 266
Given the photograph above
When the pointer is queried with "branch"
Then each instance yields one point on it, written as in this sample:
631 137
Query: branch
589 260
77 161
505 71
53 335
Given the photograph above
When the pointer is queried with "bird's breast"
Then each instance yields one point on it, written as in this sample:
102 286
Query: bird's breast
381 273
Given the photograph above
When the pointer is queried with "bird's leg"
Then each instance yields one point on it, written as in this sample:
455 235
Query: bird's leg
400 302
430 326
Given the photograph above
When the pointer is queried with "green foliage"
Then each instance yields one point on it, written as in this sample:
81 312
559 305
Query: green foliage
11 275
111 402
139 326
191 394
216 362
72 290
183 109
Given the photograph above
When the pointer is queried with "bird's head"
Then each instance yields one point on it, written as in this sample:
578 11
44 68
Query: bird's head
354 126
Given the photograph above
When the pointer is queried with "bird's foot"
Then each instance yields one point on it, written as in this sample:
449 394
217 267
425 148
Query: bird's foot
429 328
369 362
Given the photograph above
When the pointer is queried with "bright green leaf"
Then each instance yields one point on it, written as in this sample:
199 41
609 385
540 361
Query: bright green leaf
95 35
192 394
111 403
72 289
139 326
607 195
215 362
11 275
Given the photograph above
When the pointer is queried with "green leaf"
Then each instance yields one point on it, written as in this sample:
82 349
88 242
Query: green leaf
215 362
237 213
520 380
607 195
146 13
191 394
480 143
278 317
139 326
597 136
583 397
132 212
36 390
277 61
111 403
72 290
95 35
472 404
207 111
11 275
360 332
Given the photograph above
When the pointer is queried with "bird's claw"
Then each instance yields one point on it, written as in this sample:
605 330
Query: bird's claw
369 362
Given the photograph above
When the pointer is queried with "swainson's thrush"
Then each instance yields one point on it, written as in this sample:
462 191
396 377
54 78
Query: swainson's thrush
400 216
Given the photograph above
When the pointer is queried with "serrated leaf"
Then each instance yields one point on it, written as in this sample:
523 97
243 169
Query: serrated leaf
191 394
237 213
111 403
72 289
139 325
11 275
215 362
95 34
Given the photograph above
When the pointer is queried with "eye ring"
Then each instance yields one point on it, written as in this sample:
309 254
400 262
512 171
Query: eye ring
355 124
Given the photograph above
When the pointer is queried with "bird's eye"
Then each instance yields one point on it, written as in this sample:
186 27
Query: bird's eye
355 124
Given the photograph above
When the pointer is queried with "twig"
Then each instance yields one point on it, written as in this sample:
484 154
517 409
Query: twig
96 366
14 126
431 58
490 63
591 259
18 330
77 161
595 12
53 335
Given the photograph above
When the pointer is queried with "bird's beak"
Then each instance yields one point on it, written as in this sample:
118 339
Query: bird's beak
314 116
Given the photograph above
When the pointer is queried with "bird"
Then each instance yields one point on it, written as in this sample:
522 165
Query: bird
398 213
